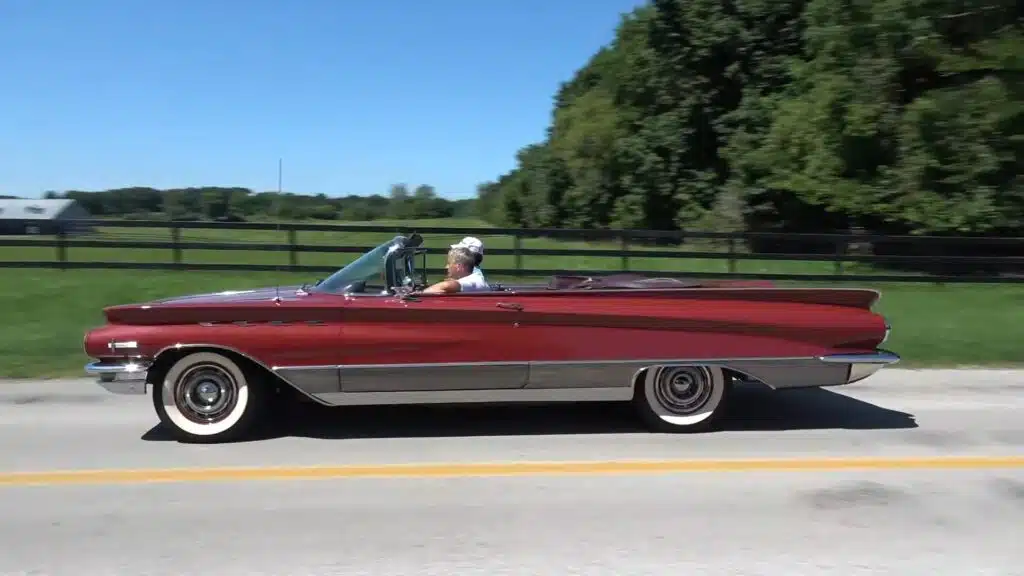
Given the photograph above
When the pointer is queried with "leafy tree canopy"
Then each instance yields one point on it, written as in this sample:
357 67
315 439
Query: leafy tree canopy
813 115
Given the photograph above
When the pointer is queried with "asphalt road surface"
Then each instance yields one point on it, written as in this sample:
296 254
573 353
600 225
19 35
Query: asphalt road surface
941 490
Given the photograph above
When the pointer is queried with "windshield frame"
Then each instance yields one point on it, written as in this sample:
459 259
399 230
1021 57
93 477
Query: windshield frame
371 265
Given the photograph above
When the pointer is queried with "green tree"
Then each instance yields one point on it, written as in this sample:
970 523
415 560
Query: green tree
797 115
906 117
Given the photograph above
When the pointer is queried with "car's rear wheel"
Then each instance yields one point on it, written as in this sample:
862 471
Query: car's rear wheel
687 398
209 397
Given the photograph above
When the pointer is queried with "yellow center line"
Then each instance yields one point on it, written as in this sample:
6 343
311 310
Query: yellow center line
454 470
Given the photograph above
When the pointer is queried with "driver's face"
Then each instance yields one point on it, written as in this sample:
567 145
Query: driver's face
453 269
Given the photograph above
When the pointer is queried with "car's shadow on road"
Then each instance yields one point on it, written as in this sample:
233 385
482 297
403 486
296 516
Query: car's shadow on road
753 408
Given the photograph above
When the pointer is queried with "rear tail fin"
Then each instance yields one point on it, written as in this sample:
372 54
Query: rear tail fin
862 298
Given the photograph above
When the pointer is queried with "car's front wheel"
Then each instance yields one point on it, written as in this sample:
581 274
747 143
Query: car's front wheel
208 397
686 398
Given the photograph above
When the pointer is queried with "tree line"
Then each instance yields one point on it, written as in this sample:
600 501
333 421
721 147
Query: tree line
239 204
893 117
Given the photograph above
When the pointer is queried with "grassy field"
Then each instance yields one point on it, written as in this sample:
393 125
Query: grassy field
47 311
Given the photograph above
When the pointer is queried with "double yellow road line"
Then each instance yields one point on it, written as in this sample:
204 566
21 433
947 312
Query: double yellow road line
465 470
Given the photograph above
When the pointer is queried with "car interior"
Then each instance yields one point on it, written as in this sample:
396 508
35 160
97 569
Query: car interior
401 275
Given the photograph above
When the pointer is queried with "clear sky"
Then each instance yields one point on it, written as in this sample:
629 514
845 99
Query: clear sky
354 96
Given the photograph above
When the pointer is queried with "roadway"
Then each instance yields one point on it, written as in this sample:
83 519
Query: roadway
941 492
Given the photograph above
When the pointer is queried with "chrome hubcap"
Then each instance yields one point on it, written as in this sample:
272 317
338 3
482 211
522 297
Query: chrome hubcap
206 393
684 389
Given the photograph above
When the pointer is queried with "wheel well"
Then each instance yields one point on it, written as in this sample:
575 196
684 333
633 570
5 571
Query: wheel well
164 360
638 378
737 376
730 373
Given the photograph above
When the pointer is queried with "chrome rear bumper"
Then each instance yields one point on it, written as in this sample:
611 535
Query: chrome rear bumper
121 377
864 364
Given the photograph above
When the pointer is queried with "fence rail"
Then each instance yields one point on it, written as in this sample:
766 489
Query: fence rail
839 249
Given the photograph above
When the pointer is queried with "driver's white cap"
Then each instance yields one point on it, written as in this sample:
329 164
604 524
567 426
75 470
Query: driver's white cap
472 244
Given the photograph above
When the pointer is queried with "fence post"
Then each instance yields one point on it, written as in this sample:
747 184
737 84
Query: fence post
62 248
293 255
517 246
624 242
732 255
841 246
176 244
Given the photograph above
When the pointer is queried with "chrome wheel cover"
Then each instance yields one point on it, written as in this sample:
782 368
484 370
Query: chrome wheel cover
206 393
684 390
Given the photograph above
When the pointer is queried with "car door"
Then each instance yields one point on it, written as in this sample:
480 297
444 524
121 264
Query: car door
433 343
585 342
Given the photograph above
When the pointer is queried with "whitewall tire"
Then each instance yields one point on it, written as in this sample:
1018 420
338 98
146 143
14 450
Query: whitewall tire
208 397
685 398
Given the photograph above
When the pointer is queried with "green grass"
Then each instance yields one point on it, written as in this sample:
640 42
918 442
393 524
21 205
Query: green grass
46 312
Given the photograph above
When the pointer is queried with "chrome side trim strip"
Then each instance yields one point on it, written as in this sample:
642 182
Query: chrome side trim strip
877 357
586 375
523 395
436 379
646 361
312 381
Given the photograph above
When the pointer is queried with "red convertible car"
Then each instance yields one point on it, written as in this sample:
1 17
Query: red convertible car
365 335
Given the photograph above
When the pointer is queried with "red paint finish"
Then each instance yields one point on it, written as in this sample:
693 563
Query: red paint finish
600 326
296 329
431 329
285 345
535 324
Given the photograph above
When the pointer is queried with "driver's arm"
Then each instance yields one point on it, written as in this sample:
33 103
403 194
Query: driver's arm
448 286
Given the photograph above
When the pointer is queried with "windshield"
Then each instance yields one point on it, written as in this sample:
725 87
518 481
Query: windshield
367 269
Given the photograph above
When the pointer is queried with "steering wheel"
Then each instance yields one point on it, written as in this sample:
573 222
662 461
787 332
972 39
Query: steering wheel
410 273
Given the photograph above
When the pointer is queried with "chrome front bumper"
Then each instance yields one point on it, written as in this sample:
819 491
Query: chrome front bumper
862 365
121 377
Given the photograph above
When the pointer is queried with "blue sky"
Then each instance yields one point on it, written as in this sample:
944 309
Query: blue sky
354 96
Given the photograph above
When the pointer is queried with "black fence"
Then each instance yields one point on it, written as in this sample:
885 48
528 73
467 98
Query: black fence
936 259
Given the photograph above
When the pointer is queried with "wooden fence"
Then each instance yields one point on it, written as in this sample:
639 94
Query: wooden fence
930 258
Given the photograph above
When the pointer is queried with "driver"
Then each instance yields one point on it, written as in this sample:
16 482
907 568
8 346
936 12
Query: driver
475 246
463 275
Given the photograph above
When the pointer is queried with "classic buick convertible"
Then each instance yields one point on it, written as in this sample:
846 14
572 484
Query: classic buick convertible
366 335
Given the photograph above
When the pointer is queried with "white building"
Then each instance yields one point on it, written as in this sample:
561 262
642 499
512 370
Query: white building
47 216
